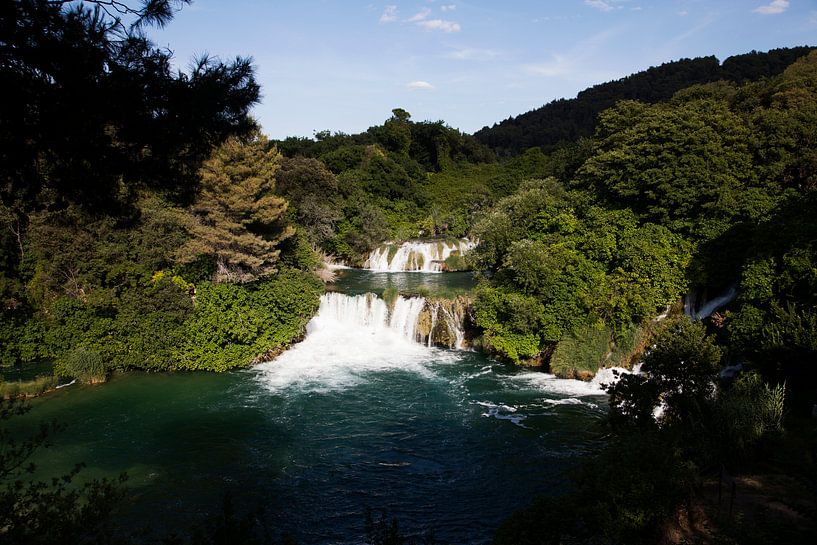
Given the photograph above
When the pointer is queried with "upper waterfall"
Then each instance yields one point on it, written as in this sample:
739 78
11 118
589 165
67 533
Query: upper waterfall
416 255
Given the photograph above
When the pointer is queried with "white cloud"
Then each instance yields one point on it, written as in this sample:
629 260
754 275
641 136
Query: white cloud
389 14
776 6
420 16
599 5
440 24
421 19
420 86
448 7
683 13
472 54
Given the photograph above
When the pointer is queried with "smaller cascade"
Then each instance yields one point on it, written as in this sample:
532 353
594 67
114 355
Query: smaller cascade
695 310
405 314
416 256
442 323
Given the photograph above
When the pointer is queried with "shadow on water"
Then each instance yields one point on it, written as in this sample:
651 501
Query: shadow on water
454 446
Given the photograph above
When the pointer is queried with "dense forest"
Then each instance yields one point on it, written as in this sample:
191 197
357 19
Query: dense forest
566 120
148 224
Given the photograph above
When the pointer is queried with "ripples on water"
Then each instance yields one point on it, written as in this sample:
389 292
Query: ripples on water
352 417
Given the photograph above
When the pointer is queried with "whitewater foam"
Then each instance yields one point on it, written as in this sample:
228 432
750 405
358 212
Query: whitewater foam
349 338
415 256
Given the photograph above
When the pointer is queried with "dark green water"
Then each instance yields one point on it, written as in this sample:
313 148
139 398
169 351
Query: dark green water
356 281
351 418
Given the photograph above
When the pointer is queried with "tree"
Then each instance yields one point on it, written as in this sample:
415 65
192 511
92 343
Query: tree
678 373
93 110
680 165
313 191
235 220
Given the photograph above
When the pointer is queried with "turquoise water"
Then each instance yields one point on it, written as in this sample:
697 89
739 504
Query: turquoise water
350 419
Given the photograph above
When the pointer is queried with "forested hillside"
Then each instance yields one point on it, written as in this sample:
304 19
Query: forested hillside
565 120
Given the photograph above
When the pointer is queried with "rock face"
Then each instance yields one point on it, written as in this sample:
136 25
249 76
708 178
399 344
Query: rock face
447 323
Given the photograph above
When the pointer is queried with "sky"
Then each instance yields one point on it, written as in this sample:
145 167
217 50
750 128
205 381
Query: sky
343 65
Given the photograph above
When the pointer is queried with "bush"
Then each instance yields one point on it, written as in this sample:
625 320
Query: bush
580 354
747 413
83 364
236 324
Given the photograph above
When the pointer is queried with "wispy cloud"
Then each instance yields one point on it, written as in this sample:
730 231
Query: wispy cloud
440 24
579 62
472 54
776 6
600 5
420 15
389 14
419 86
448 7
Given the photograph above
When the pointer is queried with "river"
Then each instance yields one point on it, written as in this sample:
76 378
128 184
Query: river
356 416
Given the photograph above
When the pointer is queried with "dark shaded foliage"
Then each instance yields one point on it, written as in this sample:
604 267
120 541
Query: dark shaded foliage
566 120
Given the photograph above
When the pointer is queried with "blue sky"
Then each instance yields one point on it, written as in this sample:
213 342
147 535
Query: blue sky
343 65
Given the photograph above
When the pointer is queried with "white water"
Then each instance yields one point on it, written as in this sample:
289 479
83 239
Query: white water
708 307
350 337
353 336
571 387
416 256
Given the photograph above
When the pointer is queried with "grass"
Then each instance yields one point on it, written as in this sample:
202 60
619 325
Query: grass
28 388
580 354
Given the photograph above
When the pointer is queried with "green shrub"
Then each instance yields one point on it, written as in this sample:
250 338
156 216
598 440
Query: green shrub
83 364
748 412
28 388
390 295
580 354
236 324
457 262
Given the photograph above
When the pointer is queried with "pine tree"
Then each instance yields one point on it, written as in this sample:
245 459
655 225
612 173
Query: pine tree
236 219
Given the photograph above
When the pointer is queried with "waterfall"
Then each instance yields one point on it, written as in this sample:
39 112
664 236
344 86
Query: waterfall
415 256
349 338
695 312
370 312
405 315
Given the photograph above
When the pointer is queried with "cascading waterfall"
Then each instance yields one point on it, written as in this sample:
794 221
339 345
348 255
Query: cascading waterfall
696 311
445 324
416 256
370 312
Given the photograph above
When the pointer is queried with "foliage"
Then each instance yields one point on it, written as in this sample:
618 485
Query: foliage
511 322
586 266
566 120
94 109
678 373
27 388
581 353
682 165
313 192
83 364
622 495
236 217
233 325
747 413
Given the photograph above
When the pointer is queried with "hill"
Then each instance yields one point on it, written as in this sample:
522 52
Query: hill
565 120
